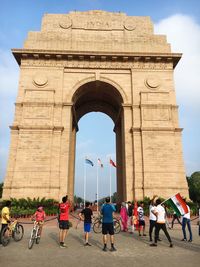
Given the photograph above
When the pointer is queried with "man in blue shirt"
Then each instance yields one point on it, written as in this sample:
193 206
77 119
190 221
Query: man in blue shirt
107 224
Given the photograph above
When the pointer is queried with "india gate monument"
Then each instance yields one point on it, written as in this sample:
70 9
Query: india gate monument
91 61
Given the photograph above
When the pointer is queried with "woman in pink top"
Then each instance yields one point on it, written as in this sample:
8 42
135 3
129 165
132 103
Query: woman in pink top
124 217
39 217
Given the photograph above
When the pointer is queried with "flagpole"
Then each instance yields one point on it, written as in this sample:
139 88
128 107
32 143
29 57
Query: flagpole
84 186
97 186
110 183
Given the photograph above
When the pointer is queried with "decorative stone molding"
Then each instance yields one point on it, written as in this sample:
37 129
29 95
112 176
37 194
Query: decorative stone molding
40 80
36 127
152 82
98 64
65 23
150 129
129 25
122 60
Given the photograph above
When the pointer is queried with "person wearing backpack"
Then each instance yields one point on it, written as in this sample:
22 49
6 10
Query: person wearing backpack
63 219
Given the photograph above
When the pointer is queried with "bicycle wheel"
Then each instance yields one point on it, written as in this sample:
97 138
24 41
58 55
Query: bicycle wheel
117 227
32 239
18 232
5 236
97 227
37 241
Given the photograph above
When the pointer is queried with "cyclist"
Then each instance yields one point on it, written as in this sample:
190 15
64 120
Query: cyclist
5 216
39 216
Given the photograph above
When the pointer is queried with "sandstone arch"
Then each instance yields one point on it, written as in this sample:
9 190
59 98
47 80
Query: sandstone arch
77 53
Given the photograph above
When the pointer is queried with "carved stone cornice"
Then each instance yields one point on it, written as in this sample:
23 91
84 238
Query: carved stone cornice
95 59
36 127
157 129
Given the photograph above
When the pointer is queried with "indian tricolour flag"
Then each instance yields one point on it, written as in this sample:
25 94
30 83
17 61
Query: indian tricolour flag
178 204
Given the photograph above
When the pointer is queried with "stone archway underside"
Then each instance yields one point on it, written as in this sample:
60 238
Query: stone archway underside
95 61
102 97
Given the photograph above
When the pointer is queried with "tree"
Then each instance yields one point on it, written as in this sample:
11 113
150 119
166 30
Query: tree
194 187
114 197
78 199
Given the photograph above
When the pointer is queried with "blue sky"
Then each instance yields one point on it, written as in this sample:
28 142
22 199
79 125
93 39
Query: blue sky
179 20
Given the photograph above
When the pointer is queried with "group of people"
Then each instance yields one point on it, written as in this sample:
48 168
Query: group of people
157 220
39 218
129 220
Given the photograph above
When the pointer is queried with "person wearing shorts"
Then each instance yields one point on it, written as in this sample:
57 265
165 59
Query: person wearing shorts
63 219
141 220
107 224
5 216
39 217
86 216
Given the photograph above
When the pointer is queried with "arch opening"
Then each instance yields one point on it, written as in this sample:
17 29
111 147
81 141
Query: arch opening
95 144
98 96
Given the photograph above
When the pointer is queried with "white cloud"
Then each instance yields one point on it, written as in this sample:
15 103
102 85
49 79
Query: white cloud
183 33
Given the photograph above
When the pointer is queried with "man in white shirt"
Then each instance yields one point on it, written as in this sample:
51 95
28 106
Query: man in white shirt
186 221
159 212
152 218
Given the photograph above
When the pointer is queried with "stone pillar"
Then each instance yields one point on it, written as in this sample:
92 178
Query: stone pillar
119 161
7 191
54 182
72 164
65 148
128 153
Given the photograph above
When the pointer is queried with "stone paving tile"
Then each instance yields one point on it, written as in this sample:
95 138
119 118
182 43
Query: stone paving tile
132 250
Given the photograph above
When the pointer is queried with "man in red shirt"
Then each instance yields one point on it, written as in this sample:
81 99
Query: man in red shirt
64 208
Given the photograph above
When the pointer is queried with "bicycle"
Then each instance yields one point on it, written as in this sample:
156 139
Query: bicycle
14 230
97 225
35 237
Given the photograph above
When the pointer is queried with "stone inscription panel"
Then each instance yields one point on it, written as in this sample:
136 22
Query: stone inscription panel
35 112
156 114
34 151
154 98
39 95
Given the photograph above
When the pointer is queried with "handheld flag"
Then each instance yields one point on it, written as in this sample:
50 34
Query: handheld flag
89 162
112 163
178 204
100 163
135 216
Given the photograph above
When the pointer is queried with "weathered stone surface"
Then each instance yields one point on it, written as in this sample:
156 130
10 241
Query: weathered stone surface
95 61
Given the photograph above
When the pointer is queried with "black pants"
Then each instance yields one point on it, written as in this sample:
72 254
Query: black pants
162 226
175 217
2 227
152 224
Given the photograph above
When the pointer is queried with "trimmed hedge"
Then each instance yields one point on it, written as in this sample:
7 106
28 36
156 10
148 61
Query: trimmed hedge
26 207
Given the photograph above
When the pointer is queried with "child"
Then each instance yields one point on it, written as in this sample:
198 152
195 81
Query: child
140 211
86 215
39 217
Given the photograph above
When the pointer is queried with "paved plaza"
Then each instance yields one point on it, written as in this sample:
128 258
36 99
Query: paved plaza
132 250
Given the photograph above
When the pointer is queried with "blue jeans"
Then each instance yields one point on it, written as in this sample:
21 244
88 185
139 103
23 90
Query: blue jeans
184 222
